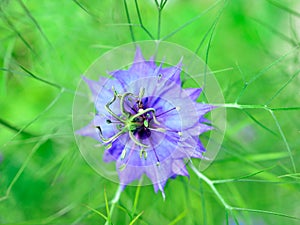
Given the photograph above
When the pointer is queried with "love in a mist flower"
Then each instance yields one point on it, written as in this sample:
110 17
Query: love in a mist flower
147 122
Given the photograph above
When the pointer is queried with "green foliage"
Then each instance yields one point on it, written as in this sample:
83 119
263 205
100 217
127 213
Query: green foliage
252 46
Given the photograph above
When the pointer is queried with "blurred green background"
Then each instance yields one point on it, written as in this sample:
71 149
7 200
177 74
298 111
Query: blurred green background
45 46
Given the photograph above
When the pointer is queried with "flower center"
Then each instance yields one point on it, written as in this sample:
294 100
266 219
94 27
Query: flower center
134 119
140 126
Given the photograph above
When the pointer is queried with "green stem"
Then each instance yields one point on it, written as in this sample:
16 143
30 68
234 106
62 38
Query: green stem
113 203
211 185
129 21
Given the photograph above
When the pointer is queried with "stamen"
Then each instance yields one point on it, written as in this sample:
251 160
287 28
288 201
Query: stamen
166 111
123 154
141 94
111 139
156 156
158 129
133 138
108 146
159 76
110 111
122 167
155 120
110 122
143 153
122 102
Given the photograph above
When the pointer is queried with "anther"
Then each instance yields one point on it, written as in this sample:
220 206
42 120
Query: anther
142 92
123 154
99 129
108 146
146 124
122 167
158 129
143 153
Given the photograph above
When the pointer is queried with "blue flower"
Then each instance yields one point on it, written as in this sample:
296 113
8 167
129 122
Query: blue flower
147 122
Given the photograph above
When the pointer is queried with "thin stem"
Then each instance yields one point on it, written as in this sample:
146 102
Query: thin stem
238 106
229 208
129 21
211 185
159 8
264 70
265 107
136 198
34 21
12 127
114 202
285 141
159 23
13 27
141 21
191 21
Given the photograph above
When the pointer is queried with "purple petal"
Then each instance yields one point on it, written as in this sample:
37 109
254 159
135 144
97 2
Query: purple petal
172 73
179 168
91 130
94 86
193 93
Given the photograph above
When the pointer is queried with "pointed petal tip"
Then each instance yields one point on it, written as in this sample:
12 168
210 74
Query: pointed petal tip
193 93
138 55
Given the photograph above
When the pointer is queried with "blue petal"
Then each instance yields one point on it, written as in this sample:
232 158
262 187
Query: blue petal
172 73
202 108
114 152
193 93
160 186
94 86
92 131
179 167
129 174
190 147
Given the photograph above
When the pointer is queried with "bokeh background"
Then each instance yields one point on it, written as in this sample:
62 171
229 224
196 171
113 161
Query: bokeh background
252 46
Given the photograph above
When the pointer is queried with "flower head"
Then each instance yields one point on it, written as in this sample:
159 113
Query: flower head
147 122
